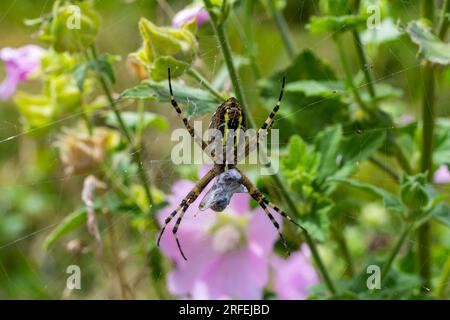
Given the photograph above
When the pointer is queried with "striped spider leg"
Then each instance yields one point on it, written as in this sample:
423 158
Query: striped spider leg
265 128
198 139
265 205
184 205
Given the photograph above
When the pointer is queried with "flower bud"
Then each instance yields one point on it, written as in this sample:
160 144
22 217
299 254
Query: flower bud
73 28
413 193
166 47
81 153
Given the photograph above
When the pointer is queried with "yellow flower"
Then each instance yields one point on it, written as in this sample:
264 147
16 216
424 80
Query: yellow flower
166 47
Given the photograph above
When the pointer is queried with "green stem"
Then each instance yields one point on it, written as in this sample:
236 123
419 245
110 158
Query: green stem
401 158
387 265
443 279
203 82
282 29
443 19
427 9
226 51
365 66
426 163
343 247
349 76
249 41
385 168
136 152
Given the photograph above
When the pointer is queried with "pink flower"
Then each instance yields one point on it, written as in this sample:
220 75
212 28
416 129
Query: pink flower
294 276
227 253
442 175
189 13
19 64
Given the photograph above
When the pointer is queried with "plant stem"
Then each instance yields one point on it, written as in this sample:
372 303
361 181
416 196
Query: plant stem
250 42
443 19
426 163
343 247
385 168
135 152
203 82
365 66
349 76
282 29
224 45
226 52
443 279
387 265
117 263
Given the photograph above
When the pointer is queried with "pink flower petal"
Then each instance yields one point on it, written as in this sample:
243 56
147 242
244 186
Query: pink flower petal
189 13
240 203
262 233
237 274
293 276
442 175
19 63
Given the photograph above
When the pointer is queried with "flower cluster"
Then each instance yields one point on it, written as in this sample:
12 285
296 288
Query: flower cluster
230 253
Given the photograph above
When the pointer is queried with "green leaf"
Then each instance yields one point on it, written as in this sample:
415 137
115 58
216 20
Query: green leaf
358 147
327 144
430 46
391 202
441 153
335 23
198 101
314 88
132 120
79 73
70 223
103 66
307 107
441 213
222 75
385 32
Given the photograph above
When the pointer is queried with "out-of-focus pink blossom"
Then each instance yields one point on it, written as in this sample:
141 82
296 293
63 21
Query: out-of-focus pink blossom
407 119
227 253
19 64
189 13
294 276
442 175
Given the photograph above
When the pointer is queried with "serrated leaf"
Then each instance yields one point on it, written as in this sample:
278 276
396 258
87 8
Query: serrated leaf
391 202
335 23
132 120
430 46
70 223
198 101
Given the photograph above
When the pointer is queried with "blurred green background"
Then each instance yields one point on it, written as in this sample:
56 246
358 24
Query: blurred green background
35 195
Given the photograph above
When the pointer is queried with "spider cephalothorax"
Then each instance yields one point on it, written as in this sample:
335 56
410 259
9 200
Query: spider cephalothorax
229 179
